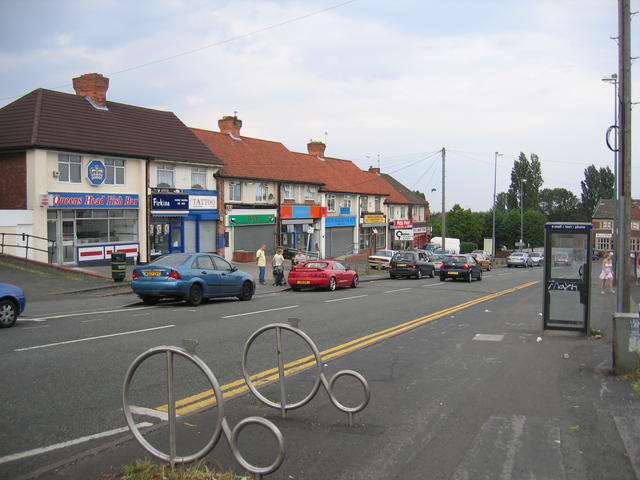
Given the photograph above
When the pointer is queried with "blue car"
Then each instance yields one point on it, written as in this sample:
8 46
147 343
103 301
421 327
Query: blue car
12 303
192 277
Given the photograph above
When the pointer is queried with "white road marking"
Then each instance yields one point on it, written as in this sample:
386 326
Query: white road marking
260 311
143 314
485 337
506 273
92 338
345 298
69 443
430 284
92 320
397 290
78 314
39 326
150 412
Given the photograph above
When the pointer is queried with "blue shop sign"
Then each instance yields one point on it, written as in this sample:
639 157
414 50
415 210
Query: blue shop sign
567 226
340 221
96 172
345 210
170 204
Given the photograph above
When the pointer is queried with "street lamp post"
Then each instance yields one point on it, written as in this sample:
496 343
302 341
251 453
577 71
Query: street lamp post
522 180
495 169
613 79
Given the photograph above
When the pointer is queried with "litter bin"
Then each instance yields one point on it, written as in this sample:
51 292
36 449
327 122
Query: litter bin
118 266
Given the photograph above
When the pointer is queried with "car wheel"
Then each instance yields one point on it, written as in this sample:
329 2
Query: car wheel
432 274
419 274
489 269
392 276
332 284
355 282
295 289
195 295
149 300
508 266
442 278
246 292
480 275
8 313
469 278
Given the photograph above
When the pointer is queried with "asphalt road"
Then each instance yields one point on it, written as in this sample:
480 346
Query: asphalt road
468 393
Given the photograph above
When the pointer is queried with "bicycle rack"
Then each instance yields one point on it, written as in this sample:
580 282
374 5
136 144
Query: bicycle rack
222 425
283 406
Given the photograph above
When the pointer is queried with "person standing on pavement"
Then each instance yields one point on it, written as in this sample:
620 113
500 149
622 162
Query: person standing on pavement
299 258
277 262
261 260
606 274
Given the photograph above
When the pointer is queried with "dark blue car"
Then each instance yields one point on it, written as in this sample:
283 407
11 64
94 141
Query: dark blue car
191 277
12 303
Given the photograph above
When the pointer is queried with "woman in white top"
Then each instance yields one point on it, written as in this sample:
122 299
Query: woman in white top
278 267
606 273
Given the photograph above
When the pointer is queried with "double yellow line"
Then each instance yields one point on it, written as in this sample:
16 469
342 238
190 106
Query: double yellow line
238 387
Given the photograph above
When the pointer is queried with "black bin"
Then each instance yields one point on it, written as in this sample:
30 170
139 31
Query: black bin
118 266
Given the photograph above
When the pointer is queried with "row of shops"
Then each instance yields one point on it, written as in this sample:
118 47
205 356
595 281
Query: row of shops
88 227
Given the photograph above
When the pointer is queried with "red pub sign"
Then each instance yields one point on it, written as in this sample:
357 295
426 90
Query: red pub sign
403 224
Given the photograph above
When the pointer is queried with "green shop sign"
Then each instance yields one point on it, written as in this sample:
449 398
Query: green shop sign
251 219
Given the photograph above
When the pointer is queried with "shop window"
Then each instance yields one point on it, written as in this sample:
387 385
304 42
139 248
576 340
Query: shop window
115 171
199 178
331 203
69 167
165 175
635 244
289 191
603 244
235 191
104 226
309 192
262 191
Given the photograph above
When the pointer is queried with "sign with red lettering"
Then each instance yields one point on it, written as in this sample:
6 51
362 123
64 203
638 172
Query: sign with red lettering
403 224
92 200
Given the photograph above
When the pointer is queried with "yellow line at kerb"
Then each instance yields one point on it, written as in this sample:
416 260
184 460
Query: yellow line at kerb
238 387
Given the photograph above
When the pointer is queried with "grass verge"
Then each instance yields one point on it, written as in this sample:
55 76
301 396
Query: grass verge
150 470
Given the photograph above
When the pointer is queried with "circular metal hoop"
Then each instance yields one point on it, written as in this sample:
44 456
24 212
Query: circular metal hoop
308 341
365 386
233 442
129 416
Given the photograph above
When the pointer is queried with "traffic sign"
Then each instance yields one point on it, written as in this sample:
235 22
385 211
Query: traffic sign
404 234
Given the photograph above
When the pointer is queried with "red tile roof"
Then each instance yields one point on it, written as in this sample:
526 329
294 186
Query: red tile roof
62 121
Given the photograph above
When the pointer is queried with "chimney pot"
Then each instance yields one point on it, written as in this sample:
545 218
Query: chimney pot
316 148
94 86
229 124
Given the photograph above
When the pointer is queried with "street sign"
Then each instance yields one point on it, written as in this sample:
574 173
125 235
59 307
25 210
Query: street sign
404 234
520 244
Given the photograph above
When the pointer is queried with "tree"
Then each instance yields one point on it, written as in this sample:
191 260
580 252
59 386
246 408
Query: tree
464 224
597 184
531 173
533 228
559 205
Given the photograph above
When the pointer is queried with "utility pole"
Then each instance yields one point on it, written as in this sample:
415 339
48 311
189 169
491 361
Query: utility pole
495 170
623 207
444 213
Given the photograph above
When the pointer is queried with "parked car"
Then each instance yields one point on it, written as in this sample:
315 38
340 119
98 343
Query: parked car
12 304
328 274
460 267
192 277
519 259
537 259
483 259
562 259
381 259
485 253
411 264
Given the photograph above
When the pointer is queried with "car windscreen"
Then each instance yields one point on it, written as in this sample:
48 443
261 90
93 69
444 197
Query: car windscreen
450 259
171 259
316 265
517 254
403 257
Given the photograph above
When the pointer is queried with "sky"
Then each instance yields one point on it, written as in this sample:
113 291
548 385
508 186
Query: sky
381 82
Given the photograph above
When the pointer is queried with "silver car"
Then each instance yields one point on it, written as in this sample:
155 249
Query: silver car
537 259
519 259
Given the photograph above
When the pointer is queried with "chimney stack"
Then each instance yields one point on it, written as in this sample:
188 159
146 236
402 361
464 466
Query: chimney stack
230 125
375 170
316 148
94 86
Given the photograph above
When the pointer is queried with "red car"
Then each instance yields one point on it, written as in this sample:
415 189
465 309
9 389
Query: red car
327 274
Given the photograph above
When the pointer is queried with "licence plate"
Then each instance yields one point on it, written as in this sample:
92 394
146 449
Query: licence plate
303 282
151 273
402 265
452 273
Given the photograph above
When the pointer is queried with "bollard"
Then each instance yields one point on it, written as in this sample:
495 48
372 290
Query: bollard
626 342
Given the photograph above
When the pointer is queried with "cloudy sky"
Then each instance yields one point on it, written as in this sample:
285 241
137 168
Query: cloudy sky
392 81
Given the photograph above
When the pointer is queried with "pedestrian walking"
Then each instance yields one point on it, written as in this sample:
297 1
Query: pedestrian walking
299 258
606 273
277 262
261 260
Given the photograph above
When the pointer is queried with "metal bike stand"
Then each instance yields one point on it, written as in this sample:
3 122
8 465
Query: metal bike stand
221 425
283 406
